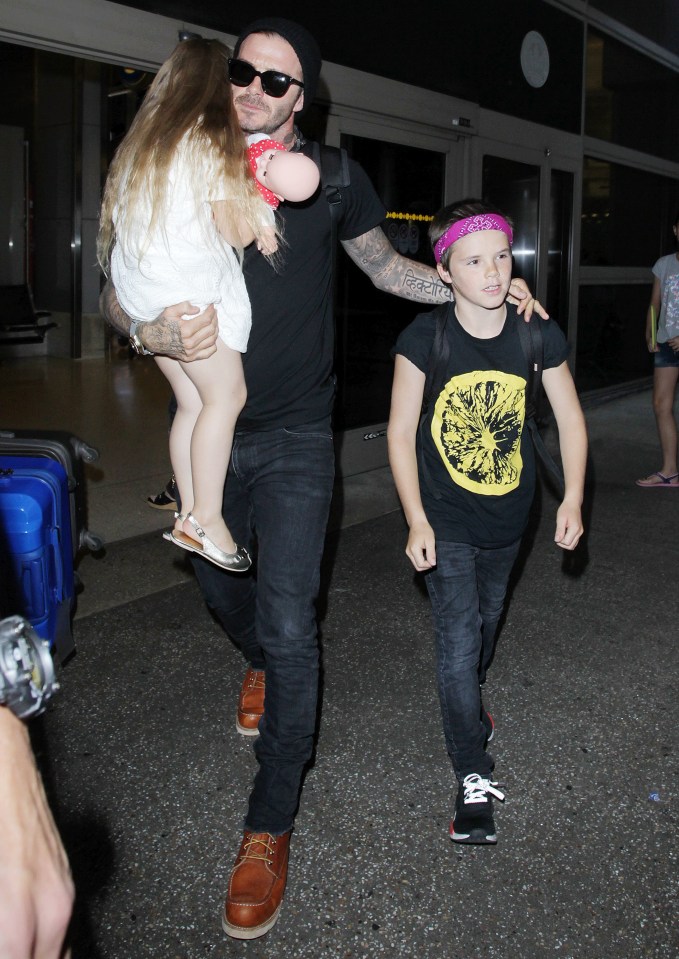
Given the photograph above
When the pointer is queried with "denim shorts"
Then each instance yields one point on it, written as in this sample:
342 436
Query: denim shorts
666 356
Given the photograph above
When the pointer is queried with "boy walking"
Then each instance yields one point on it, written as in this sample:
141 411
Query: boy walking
466 477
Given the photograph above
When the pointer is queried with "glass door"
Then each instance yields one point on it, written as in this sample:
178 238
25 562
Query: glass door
540 202
515 188
539 186
409 180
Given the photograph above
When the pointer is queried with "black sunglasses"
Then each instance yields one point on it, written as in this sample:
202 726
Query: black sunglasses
275 84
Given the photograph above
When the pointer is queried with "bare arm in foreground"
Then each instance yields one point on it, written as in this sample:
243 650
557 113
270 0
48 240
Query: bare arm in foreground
36 889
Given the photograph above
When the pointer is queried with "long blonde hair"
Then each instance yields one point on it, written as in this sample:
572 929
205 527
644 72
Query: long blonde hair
189 100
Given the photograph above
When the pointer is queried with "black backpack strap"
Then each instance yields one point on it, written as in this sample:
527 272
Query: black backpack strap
439 356
334 177
438 361
554 471
333 162
530 335
532 344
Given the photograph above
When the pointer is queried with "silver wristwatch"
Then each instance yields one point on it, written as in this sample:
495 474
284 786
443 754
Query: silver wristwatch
135 340
27 677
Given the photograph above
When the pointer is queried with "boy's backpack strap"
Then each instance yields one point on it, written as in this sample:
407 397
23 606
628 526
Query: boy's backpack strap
530 335
532 344
438 361
555 471
439 356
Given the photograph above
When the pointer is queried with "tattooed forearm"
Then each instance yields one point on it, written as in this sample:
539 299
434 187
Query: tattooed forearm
112 311
163 335
393 273
415 281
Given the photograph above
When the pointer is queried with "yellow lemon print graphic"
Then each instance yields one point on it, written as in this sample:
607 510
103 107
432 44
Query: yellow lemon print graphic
476 427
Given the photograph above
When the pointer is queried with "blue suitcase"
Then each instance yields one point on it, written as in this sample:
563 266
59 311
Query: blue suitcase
72 453
36 548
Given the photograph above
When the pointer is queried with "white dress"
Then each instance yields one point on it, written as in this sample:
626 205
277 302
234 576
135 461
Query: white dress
185 259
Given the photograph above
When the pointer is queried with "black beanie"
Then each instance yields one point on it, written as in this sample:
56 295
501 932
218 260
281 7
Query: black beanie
301 42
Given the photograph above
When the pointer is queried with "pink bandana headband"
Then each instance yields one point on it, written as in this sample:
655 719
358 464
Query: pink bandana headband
472 224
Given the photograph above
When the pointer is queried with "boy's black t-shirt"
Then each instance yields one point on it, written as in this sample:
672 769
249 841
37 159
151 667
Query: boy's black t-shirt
288 364
473 450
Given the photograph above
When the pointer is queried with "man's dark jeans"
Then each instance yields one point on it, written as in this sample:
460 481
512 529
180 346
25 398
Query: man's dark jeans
467 590
276 502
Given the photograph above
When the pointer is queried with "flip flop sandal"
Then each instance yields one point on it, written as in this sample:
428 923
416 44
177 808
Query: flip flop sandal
665 482
237 562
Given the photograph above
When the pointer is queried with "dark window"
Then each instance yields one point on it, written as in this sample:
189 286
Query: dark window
631 99
611 323
626 215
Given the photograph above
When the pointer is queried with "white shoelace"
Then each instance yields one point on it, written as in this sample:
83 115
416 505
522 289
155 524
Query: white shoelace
476 789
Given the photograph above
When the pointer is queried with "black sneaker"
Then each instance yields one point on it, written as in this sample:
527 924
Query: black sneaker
473 819
166 499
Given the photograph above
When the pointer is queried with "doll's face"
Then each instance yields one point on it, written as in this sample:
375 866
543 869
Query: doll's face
289 176
257 111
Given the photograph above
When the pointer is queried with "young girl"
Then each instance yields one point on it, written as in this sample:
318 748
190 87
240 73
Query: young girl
466 478
180 196
664 309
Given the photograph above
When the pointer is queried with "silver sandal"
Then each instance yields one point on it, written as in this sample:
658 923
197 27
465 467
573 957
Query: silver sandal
237 562
168 533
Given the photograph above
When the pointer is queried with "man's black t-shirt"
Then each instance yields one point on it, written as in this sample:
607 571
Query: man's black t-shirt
288 364
474 451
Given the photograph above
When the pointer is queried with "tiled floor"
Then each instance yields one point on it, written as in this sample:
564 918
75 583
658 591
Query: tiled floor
118 404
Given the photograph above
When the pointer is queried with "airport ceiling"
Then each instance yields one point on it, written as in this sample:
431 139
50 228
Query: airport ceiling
348 20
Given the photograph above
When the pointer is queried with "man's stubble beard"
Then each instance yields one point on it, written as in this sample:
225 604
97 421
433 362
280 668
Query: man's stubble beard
269 123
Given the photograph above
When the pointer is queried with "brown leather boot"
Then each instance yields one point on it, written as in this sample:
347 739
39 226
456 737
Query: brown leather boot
251 703
257 884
